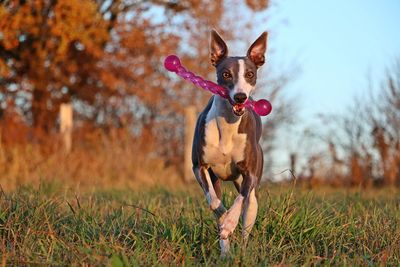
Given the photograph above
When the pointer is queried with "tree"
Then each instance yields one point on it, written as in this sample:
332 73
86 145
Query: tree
85 51
384 123
106 57
48 51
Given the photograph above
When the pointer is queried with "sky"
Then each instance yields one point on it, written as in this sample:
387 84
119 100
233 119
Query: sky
337 46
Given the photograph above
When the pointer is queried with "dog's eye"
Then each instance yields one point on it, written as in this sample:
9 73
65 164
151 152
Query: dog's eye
249 75
226 75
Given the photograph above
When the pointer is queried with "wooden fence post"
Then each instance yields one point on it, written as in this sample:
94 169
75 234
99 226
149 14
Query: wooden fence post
66 123
190 124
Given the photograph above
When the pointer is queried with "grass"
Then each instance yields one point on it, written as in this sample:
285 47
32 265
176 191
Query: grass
50 225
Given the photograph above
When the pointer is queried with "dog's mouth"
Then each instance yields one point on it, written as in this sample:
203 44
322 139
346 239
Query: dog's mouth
238 109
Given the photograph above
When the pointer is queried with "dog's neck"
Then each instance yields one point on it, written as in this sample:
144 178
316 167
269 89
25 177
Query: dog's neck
227 123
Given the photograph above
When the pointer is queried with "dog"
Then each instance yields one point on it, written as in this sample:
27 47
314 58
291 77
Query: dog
226 140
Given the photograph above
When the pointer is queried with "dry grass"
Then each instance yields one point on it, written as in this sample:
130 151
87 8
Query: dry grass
95 163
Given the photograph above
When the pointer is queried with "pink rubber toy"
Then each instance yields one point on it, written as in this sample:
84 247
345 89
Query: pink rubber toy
172 63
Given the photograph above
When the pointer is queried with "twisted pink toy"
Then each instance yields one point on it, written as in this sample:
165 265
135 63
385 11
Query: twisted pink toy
172 63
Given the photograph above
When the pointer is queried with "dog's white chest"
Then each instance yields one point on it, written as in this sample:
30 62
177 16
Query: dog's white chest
224 146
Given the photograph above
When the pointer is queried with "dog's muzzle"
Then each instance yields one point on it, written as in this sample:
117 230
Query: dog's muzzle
238 105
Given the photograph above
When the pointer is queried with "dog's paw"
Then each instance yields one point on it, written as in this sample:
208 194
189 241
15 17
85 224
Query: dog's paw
229 223
231 218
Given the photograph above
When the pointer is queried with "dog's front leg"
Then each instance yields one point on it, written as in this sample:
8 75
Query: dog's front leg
203 177
246 198
249 215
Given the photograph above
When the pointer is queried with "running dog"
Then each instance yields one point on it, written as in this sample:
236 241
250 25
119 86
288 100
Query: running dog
226 140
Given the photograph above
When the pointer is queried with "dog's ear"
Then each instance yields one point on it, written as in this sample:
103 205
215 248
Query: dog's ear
257 50
218 48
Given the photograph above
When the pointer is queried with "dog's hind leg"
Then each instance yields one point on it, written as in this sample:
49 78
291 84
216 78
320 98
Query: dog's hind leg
251 205
249 215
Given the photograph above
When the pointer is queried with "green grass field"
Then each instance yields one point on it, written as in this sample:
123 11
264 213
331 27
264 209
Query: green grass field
55 226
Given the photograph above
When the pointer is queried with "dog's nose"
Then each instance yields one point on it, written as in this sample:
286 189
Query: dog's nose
240 98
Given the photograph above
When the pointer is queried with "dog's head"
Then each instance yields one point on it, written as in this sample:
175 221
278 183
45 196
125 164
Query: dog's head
237 74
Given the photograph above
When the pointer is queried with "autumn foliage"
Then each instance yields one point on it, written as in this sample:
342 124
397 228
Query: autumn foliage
105 57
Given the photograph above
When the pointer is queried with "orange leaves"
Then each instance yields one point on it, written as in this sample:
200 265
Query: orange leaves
8 27
52 46
96 51
4 69
135 39
54 25
257 5
18 20
75 20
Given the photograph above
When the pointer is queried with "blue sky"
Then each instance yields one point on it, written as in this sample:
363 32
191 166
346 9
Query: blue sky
337 44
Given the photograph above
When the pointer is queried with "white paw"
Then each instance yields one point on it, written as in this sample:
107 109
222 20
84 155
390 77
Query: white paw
231 218
227 229
229 224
